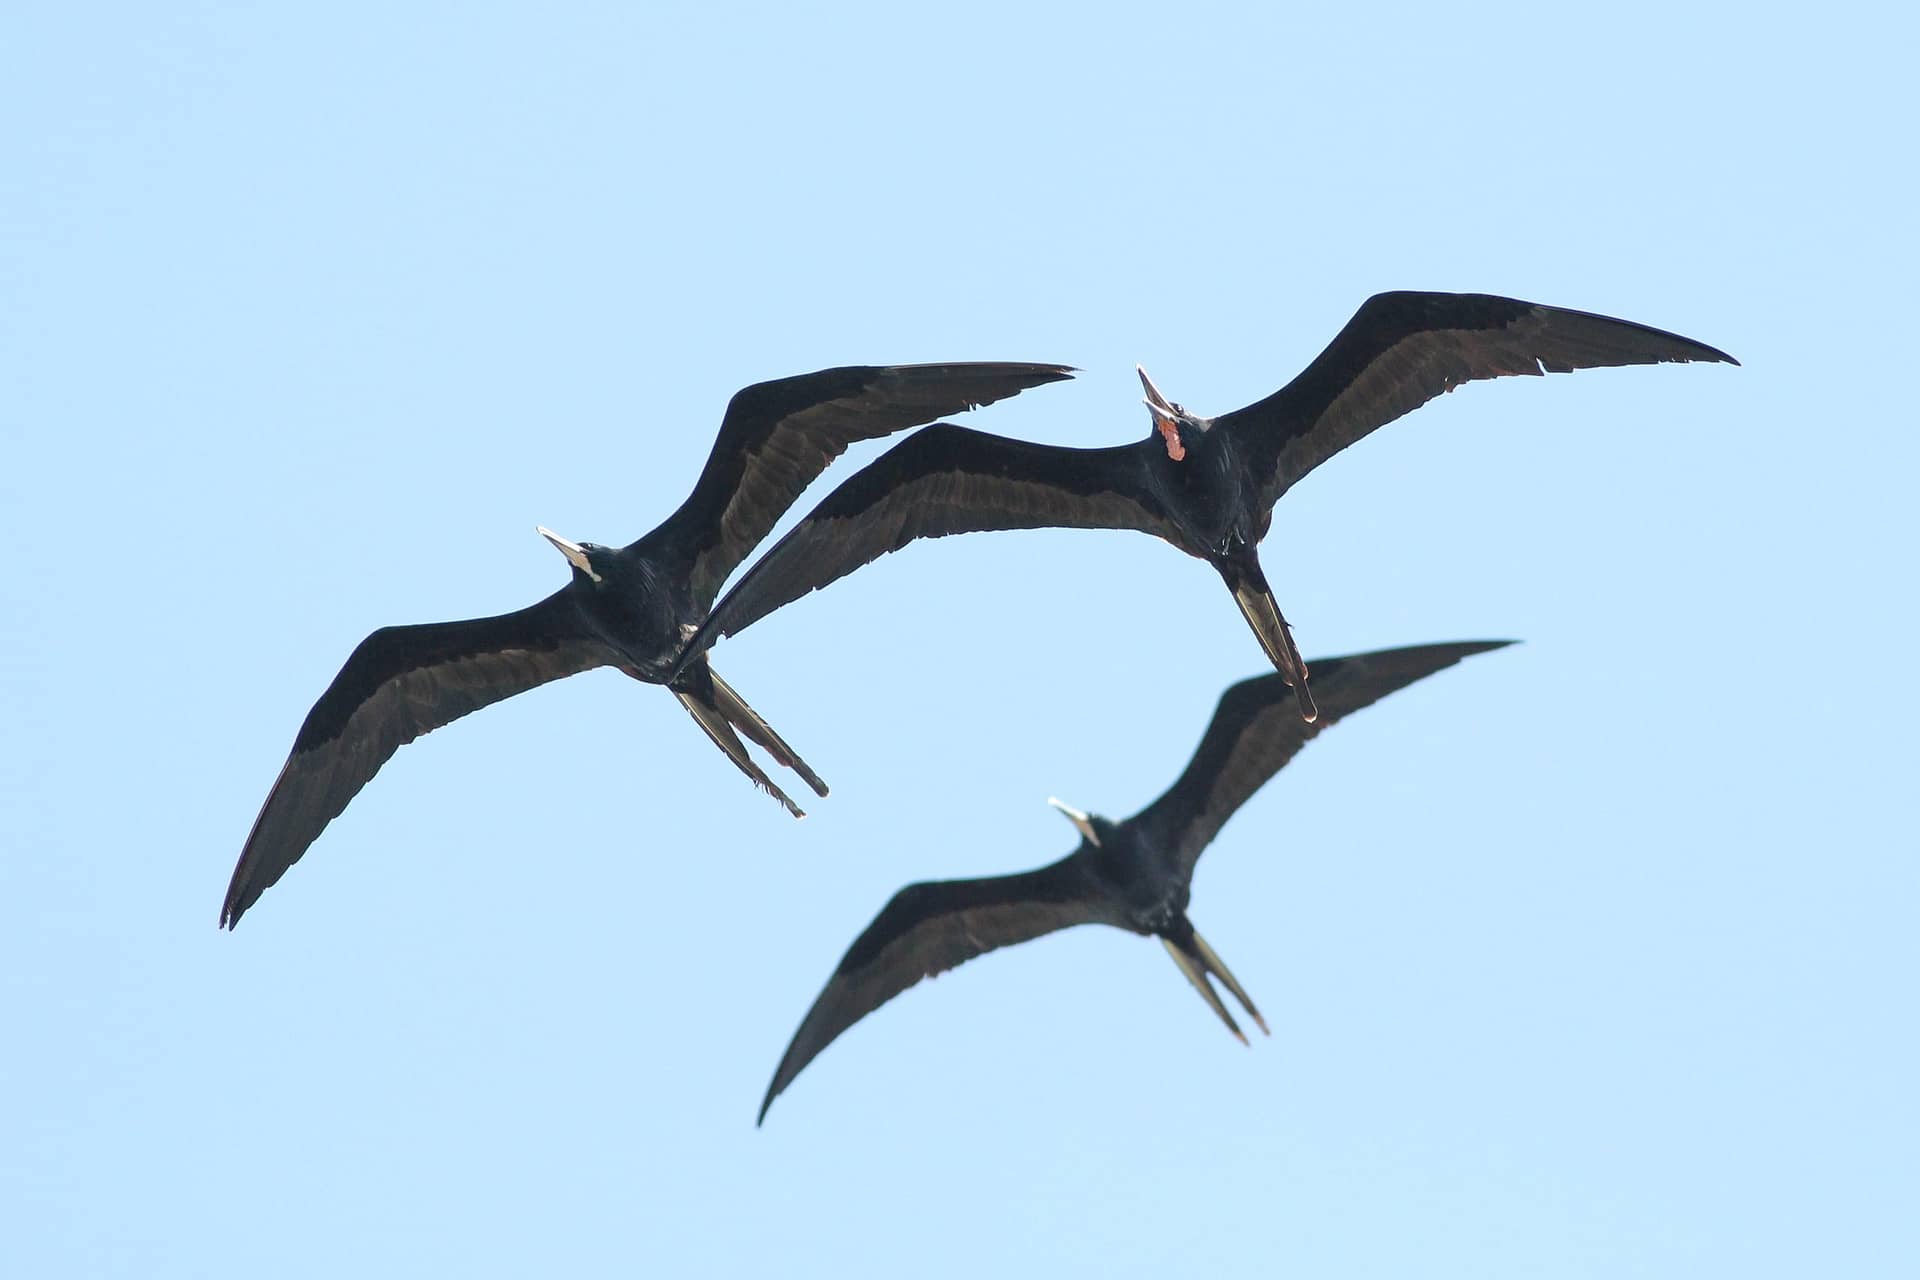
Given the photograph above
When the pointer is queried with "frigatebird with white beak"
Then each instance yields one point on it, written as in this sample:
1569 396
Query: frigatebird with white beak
1135 875
633 608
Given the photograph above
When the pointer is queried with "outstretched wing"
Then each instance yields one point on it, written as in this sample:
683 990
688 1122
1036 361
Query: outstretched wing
400 682
927 929
1401 350
941 481
1257 728
777 437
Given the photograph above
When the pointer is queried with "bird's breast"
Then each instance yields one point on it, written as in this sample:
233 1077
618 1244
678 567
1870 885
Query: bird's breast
641 624
1141 886
1203 495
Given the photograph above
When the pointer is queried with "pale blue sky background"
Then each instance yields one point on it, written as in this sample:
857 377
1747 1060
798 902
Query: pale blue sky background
1593 958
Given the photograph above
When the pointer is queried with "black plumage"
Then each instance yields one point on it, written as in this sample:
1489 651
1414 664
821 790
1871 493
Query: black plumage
1206 485
1134 875
633 608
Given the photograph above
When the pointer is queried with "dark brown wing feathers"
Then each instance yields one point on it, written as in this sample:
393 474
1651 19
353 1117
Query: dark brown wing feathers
1401 350
941 481
1256 729
777 437
927 929
399 683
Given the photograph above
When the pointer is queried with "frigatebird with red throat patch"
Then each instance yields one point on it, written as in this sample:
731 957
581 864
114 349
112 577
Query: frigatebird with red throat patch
1206 485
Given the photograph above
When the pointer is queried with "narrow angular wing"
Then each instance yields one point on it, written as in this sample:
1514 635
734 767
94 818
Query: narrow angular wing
927 929
1401 350
940 481
777 437
400 682
1257 728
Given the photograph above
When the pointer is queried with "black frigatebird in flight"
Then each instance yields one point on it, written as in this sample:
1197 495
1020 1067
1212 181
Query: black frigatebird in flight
633 608
1206 485
1133 875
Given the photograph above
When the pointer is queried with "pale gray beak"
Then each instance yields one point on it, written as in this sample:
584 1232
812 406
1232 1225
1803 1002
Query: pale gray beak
1166 416
1161 406
576 554
1081 821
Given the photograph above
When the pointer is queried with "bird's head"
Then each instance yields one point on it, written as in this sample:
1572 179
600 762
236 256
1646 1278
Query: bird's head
1096 830
591 561
1179 428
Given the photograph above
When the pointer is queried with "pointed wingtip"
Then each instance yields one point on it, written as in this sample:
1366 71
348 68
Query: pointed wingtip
1709 354
1714 354
1020 375
774 1090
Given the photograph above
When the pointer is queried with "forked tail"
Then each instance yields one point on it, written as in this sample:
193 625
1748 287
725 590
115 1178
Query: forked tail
1255 598
1197 960
748 721
718 710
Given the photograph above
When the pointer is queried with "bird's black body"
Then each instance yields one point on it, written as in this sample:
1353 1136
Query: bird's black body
1206 485
636 609
633 608
1134 875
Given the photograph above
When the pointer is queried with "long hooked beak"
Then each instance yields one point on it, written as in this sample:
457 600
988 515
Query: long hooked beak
1082 821
1166 415
1200 962
1161 406
576 554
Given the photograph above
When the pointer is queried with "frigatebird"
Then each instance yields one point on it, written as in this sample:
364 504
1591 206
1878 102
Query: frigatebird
633 608
1206 485
1133 875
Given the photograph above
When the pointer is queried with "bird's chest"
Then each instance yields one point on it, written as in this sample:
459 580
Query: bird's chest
1206 495
641 623
1148 892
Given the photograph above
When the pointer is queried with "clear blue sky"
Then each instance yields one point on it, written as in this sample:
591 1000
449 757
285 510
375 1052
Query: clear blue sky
1594 957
